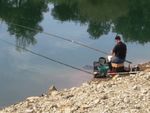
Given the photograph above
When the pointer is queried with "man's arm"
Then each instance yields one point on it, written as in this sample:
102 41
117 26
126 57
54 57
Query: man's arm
113 51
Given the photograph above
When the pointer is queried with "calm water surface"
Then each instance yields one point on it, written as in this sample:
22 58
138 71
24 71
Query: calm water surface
23 74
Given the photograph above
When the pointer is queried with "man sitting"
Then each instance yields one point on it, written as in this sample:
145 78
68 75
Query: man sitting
118 53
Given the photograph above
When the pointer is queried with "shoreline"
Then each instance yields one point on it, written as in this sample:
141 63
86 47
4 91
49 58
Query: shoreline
126 94
121 93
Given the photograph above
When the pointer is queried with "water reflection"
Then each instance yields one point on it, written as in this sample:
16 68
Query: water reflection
23 12
31 75
130 18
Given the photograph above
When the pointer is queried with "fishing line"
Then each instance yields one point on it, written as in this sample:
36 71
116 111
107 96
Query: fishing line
66 39
60 37
48 58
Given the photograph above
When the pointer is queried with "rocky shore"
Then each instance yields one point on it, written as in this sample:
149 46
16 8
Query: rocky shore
126 94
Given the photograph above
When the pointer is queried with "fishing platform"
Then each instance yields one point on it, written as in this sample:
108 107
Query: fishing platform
103 68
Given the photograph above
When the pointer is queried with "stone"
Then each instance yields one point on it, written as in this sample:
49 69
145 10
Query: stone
126 95
104 97
31 99
96 101
68 110
52 88
126 100
85 84
28 110
136 87
147 77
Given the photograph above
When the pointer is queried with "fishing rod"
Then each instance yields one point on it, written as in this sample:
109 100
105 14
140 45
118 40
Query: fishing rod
56 36
48 58
66 39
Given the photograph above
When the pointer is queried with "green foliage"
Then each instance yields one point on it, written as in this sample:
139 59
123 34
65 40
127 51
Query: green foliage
99 14
23 12
136 25
131 18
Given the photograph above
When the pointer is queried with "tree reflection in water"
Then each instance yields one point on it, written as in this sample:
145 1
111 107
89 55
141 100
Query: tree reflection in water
23 12
129 17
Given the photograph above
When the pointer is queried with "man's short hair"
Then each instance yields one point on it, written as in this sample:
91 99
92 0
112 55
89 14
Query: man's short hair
117 38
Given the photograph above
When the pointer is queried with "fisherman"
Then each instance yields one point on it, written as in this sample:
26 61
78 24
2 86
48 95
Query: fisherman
114 63
119 51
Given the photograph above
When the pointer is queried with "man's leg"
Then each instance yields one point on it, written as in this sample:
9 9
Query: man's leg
116 60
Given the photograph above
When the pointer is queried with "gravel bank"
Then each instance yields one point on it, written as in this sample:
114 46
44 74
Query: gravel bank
128 94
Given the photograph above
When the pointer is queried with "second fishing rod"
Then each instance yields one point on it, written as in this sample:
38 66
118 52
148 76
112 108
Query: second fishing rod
66 39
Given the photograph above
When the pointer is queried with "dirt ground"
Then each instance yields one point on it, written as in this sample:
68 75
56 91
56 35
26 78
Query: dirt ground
145 67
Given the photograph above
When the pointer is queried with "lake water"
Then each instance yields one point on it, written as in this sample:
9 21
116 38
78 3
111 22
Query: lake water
92 22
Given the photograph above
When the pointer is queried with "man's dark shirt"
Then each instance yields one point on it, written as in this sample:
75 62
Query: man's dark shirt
120 50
